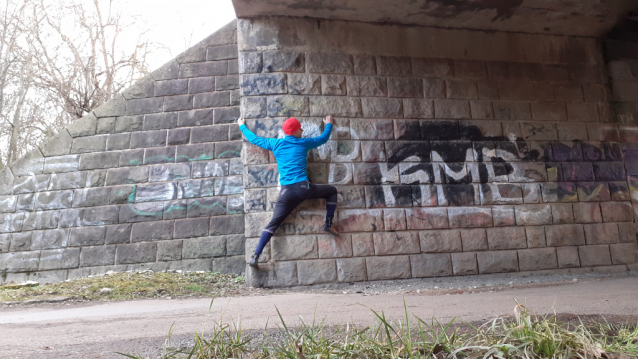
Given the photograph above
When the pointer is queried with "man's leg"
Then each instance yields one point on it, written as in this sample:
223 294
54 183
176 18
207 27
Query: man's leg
330 194
283 207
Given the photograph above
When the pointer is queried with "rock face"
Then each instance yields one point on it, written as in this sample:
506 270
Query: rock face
451 157
150 180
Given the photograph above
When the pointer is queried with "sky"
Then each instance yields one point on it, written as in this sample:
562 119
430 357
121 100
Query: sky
178 24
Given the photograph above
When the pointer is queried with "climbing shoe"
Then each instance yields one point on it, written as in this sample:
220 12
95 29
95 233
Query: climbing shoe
328 228
253 260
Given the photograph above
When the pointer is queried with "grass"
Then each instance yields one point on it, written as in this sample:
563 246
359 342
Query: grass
523 336
132 285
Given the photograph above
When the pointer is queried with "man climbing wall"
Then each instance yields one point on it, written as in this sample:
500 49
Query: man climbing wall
291 153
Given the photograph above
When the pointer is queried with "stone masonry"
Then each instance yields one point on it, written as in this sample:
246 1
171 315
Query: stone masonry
623 73
150 180
455 152
449 161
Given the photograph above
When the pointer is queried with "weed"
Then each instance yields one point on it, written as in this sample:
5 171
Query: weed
526 336
615 338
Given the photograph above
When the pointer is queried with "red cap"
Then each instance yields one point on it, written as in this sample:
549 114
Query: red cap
291 126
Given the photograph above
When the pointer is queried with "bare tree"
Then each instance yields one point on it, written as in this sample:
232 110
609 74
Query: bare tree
60 59
14 73
86 67
24 83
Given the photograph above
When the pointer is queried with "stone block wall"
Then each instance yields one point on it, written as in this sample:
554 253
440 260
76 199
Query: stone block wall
449 159
151 179
623 73
455 152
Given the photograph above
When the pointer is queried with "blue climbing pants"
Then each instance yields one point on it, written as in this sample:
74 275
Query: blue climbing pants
290 196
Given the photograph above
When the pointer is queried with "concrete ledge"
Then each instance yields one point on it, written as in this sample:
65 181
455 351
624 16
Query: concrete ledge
295 34
481 282
589 18
266 276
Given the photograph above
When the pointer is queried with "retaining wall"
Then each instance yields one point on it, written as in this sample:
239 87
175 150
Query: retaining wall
455 152
150 180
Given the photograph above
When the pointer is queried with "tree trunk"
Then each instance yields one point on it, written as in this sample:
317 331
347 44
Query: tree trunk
13 143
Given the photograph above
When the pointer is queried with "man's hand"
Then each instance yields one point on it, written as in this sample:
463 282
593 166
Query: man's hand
241 121
328 119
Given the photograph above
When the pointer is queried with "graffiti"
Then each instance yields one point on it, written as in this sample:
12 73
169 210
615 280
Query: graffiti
340 173
235 205
304 222
486 170
626 119
261 176
207 206
229 185
255 200
390 196
153 159
449 163
143 211
203 157
229 154
12 222
175 207
451 8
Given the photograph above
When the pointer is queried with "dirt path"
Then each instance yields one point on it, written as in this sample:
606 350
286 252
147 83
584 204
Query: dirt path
96 330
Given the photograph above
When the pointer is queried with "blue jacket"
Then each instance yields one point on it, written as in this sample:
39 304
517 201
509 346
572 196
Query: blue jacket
291 152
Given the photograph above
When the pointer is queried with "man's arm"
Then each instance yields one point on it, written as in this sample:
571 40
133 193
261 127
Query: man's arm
324 137
265 143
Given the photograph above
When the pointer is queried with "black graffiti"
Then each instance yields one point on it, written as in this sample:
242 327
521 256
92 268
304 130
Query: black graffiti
451 8
441 150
